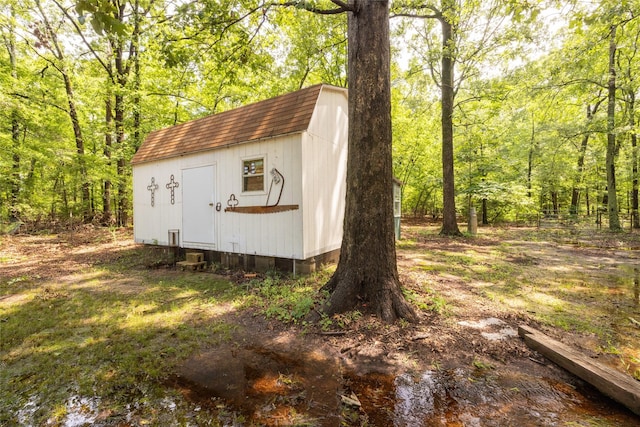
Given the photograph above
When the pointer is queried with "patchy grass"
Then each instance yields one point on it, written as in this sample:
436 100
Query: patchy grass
83 337
574 279
85 344
284 298
91 325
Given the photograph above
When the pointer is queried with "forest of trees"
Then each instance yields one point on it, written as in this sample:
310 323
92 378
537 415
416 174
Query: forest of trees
531 104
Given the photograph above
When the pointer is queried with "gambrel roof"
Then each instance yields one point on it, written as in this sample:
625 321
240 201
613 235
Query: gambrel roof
285 114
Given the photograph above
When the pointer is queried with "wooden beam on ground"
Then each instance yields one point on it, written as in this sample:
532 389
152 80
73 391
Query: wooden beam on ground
615 384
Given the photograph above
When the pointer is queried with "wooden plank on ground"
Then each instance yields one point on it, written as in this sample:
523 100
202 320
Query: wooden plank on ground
615 384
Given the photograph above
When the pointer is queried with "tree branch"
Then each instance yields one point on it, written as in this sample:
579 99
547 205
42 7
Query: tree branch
35 100
86 42
413 11
303 4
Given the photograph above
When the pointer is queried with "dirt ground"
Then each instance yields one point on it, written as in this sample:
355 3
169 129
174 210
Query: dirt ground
463 366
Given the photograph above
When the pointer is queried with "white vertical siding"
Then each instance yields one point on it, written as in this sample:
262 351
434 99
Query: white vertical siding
271 234
324 166
151 223
313 164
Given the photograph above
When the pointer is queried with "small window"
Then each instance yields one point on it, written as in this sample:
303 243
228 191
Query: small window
397 200
253 175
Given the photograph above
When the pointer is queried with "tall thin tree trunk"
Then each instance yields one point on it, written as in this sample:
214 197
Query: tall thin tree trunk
635 220
612 199
121 214
14 211
107 212
634 189
417 206
449 220
122 70
586 196
367 271
532 147
61 66
77 131
575 192
485 212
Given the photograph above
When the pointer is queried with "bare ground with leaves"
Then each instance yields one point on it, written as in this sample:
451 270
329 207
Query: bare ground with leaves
461 364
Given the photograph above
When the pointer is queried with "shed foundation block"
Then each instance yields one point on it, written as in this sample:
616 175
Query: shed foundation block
307 266
265 263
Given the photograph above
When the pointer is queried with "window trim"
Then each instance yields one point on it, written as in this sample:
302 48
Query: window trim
245 159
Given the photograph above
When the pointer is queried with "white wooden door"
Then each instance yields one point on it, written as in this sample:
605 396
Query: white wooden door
198 210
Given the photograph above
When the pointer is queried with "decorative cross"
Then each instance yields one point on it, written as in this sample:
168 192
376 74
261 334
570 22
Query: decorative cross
153 187
232 202
172 185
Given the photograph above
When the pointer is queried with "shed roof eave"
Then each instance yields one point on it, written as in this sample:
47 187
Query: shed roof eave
209 149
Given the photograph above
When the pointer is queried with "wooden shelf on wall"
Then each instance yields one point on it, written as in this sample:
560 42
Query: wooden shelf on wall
262 209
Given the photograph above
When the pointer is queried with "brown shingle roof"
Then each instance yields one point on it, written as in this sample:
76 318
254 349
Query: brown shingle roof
282 115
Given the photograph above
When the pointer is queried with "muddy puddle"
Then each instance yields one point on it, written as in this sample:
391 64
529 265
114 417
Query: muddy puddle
256 385
263 386
460 397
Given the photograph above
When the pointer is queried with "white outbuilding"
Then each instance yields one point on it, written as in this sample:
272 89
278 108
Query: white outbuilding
260 186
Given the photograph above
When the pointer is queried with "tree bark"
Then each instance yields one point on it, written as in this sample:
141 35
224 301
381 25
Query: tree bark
485 212
634 189
14 211
532 149
367 277
122 72
77 131
631 102
61 66
107 212
449 220
612 199
575 193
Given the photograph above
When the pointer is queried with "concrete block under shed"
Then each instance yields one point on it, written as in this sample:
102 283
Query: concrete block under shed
264 263
307 266
195 257
232 261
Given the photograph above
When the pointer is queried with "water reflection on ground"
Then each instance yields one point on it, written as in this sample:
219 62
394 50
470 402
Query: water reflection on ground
272 388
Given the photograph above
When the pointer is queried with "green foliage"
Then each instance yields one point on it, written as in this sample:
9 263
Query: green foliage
482 365
203 58
287 299
519 120
428 300
115 337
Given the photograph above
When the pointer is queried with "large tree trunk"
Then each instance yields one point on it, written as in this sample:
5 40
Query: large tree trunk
449 221
367 274
612 199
